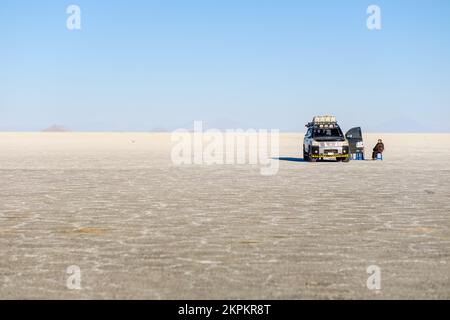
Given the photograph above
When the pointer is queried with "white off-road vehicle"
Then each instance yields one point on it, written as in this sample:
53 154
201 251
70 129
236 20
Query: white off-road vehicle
325 140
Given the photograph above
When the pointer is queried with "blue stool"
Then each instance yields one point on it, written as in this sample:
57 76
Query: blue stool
357 156
380 156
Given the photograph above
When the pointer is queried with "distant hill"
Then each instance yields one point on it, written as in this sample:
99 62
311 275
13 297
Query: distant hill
158 130
221 124
56 128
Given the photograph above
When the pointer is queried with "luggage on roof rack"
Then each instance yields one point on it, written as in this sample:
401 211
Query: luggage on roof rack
323 122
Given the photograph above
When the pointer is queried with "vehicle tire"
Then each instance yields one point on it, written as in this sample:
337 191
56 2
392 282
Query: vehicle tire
346 159
305 155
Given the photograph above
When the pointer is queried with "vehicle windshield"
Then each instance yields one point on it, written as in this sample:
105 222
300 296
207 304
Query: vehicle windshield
328 134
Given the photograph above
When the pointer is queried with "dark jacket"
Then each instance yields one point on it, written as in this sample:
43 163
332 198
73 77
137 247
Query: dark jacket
379 148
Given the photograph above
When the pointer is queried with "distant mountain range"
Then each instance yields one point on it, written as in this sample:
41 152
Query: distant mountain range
397 125
219 124
56 128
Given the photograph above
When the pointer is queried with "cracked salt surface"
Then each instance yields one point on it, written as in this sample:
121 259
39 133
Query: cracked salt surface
140 227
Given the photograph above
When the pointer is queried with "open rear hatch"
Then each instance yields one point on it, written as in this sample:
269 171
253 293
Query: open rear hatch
355 140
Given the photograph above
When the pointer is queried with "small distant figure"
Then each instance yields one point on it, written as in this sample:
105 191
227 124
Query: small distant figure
378 149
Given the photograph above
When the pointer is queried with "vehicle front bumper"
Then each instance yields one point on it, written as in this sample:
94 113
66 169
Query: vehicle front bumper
319 156
330 152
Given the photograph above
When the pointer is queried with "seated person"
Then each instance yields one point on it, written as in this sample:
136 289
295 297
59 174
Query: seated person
379 148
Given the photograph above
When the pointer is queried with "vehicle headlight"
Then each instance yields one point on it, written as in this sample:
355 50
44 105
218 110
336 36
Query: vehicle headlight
315 143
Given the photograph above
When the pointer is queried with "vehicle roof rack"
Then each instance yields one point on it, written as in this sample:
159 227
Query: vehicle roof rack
323 122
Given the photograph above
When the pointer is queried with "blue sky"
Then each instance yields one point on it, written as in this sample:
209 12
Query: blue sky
141 65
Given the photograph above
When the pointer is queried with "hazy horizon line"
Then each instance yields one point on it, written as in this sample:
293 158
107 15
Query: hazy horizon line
205 131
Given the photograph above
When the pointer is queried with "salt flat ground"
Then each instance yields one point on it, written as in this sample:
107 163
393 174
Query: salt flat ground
140 227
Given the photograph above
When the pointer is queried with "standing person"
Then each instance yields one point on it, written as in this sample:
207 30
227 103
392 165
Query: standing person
379 148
